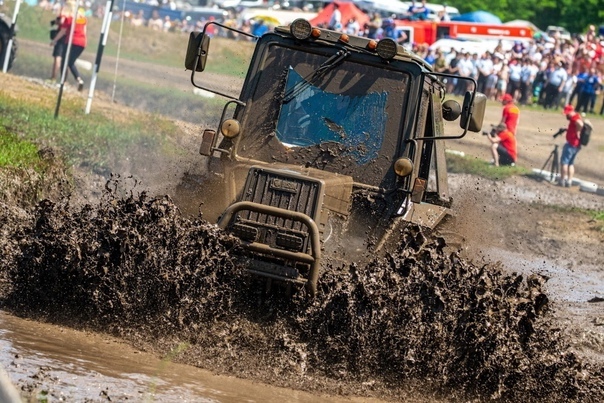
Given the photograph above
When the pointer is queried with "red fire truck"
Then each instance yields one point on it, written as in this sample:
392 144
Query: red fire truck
430 31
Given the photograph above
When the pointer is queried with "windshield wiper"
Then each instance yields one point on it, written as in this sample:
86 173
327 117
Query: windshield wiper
328 65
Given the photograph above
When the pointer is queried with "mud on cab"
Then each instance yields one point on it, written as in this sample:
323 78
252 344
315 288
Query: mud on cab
332 146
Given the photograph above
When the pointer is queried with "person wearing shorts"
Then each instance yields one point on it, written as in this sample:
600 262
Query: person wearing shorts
57 50
571 147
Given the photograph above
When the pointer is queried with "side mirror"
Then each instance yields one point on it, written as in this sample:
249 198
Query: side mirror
197 51
207 142
473 112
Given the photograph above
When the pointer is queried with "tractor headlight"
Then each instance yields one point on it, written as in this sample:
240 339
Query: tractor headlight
230 128
386 48
403 167
300 29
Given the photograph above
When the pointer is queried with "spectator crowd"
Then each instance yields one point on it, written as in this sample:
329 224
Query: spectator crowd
550 71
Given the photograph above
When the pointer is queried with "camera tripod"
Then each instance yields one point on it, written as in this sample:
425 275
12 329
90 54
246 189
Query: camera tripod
554 161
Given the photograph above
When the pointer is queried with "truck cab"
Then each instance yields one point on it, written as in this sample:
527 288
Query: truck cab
333 145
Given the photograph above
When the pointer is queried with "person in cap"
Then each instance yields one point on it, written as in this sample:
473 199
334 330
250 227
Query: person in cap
503 145
571 147
510 114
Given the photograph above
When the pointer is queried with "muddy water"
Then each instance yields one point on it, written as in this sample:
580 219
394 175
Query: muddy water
420 318
63 363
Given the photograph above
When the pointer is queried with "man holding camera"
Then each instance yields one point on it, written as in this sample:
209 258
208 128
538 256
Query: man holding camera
572 146
503 145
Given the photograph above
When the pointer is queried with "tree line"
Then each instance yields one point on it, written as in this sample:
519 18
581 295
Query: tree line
574 15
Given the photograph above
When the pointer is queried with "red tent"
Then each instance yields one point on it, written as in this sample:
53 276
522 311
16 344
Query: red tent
348 10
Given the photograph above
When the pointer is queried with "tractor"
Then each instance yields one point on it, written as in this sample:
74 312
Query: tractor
334 144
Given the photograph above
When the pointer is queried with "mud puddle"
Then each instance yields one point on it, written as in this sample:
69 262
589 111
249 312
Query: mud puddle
419 322
56 363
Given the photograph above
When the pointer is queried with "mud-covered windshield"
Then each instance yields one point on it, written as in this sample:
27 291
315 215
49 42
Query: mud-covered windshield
346 120
310 116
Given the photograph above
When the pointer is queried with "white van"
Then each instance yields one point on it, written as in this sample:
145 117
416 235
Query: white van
434 9
385 8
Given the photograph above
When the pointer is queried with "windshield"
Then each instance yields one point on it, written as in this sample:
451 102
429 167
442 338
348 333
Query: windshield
345 119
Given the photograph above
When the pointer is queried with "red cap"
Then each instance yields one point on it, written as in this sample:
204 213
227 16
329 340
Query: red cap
507 98
568 109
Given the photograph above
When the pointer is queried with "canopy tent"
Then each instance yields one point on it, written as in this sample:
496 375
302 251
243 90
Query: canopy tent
478 16
348 10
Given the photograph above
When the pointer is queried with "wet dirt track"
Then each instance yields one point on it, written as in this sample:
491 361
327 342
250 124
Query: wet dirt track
419 319
388 330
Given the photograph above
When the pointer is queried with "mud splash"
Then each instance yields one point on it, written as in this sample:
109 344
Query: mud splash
419 319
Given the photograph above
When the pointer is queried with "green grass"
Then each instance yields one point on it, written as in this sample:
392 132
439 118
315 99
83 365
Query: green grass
226 56
475 166
598 217
16 152
96 141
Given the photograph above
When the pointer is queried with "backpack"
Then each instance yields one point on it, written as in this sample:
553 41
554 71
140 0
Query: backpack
586 132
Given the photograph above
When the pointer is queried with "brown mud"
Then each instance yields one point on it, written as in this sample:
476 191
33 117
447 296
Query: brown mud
433 319
136 268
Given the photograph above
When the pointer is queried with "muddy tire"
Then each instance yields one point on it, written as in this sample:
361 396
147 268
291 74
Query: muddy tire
5 36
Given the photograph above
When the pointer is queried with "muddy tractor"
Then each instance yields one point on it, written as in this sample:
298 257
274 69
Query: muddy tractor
334 144
5 36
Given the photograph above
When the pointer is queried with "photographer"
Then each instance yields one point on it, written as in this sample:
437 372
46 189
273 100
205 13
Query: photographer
503 145
572 146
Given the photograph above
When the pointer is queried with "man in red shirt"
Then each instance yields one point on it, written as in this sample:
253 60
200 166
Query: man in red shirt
78 40
510 114
572 146
503 146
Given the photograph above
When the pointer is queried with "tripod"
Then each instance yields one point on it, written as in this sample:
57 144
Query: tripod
554 161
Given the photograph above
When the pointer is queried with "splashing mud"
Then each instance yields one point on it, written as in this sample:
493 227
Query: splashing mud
418 319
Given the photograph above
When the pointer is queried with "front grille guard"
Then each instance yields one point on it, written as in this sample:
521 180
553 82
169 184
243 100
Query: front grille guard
314 258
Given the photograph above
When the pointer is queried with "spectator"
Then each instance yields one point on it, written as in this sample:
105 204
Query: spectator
138 20
589 90
452 68
567 89
167 24
554 85
527 77
571 147
510 114
503 146
418 11
581 76
155 22
259 28
335 22
443 15
502 80
515 77
78 40
374 26
57 50
352 27
485 69
466 68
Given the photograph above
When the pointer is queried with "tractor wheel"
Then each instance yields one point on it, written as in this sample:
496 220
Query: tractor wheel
4 40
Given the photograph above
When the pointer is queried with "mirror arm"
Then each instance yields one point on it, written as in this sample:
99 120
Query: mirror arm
254 37
465 131
211 90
